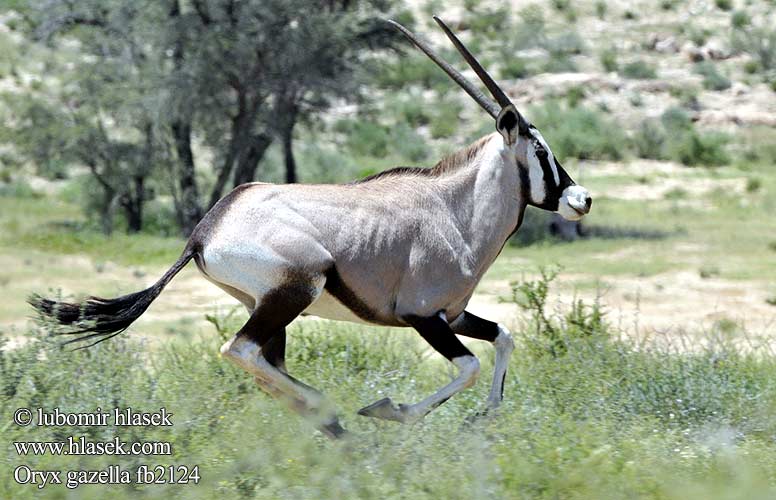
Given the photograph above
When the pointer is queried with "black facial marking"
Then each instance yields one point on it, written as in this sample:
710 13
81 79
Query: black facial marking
508 121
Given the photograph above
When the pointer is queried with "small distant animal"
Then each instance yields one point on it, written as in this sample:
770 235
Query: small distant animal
403 248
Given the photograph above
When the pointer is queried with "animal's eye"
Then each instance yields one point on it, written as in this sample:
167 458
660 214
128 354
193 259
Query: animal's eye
541 153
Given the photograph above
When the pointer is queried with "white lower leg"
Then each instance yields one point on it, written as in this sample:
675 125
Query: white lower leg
468 371
504 346
246 354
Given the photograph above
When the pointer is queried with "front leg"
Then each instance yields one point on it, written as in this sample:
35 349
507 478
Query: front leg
438 333
469 325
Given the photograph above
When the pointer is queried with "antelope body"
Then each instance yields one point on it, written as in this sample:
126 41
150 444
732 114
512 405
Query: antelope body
406 247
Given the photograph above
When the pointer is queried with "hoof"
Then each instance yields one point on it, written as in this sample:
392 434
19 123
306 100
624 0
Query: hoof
333 430
384 409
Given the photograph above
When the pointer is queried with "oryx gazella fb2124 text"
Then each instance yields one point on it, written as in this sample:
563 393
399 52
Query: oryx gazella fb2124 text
405 247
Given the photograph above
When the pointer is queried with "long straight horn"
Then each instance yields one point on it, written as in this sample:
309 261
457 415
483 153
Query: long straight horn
504 101
487 104
492 86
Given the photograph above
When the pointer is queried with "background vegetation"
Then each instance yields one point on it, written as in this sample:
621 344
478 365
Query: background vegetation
644 367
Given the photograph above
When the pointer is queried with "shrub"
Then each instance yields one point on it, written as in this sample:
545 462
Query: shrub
365 138
668 4
514 68
708 271
413 111
712 79
753 184
575 96
580 132
553 332
740 19
407 144
559 63
698 36
676 120
411 68
532 17
608 58
650 140
723 4
445 120
757 41
693 148
674 137
600 9
639 69
751 67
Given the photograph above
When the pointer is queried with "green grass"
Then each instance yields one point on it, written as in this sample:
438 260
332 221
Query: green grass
56 227
595 419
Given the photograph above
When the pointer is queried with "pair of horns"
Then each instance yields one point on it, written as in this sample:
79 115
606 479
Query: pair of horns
494 109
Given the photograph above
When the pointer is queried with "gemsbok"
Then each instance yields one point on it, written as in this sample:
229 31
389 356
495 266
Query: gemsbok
405 247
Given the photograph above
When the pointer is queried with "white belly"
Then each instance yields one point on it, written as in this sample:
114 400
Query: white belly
327 306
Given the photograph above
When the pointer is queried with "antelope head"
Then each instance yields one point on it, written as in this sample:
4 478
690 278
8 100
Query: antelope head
549 186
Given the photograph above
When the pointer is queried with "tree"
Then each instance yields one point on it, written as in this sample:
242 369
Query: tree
231 76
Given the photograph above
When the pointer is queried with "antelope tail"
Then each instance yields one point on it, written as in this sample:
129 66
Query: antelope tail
100 319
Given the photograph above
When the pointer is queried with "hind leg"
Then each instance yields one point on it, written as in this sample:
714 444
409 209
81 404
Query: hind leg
440 336
469 325
259 349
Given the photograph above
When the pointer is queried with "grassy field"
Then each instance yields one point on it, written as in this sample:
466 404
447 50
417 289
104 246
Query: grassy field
585 416
647 370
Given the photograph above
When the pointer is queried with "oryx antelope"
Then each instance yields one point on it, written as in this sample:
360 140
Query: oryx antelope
405 247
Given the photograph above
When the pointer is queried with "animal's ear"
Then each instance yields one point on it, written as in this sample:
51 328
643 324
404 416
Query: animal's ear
508 123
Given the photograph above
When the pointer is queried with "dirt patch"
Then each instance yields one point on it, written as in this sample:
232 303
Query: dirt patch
659 188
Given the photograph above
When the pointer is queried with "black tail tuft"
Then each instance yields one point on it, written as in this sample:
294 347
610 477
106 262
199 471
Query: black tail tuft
101 319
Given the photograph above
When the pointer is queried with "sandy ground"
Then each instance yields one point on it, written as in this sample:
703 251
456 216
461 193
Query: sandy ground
654 305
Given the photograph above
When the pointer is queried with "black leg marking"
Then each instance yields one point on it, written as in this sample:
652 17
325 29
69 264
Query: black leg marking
259 348
439 335
274 350
469 325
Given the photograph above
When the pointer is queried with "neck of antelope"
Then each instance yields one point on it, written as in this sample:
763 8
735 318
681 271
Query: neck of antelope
486 199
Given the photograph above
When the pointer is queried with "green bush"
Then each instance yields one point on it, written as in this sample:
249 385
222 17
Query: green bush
413 111
445 120
693 148
724 4
668 4
639 70
407 144
698 36
740 19
675 137
559 63
365 138
410 68
712 79
608 58
757 41
650 139
514 68
676 120
580 132
600 9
